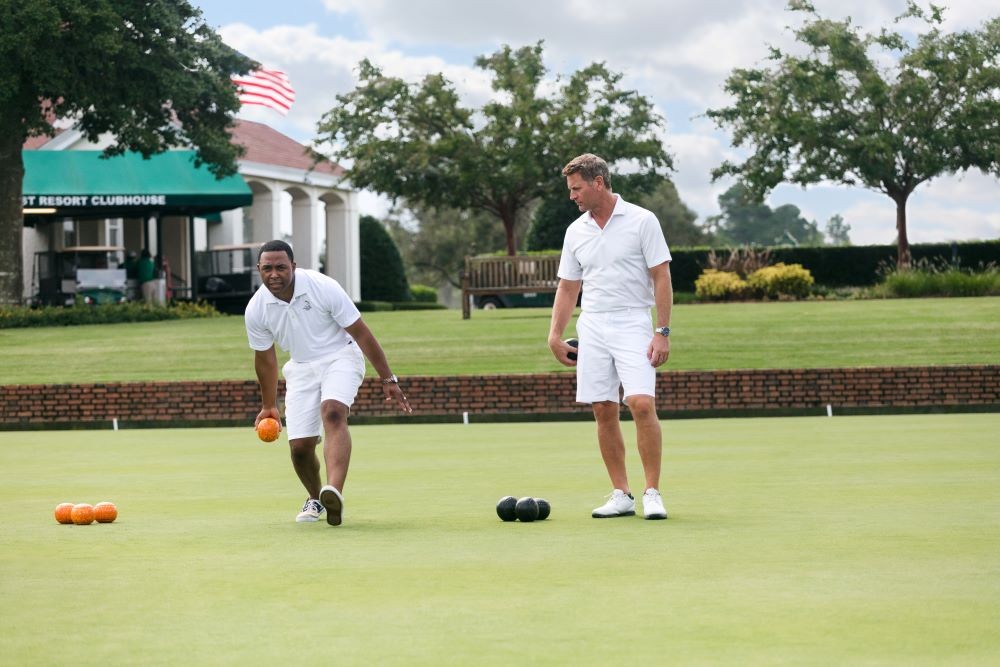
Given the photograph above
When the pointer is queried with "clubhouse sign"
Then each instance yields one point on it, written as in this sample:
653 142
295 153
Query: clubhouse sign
93 201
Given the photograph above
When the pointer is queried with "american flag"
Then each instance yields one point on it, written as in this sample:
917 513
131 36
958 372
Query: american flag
266 87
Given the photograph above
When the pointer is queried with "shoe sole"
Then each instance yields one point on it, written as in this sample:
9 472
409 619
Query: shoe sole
612 516
306 519
656 517
333 503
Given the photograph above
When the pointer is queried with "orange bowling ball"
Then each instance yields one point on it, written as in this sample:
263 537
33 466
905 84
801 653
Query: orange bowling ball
64 512
105 512
268 429
82 514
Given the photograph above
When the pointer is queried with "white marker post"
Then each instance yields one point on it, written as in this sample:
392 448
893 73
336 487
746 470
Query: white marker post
465 418
829 410
114 423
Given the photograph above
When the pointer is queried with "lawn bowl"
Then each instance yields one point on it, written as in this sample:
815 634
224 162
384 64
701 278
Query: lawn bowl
506 508
527 509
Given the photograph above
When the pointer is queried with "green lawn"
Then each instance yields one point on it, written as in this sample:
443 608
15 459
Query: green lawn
852 540
811 334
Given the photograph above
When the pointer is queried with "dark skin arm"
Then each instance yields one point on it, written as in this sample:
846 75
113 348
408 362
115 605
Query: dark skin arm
369 345
266 365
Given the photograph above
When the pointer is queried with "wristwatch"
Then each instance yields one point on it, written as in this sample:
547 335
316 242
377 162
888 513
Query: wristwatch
392 379
663 331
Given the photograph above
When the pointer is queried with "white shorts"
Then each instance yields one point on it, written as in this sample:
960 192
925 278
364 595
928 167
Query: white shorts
612 354
309 383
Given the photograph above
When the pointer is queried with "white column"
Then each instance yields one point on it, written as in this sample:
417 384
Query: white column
267 215
343 248
227 232
305 239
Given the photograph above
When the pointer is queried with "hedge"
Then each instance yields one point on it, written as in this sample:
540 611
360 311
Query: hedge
841 266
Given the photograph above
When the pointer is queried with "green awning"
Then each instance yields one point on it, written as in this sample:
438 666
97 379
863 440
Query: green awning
82 183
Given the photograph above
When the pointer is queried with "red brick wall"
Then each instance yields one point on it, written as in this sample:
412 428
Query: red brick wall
696 392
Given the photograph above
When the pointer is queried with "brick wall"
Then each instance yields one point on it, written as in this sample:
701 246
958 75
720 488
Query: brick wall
540 396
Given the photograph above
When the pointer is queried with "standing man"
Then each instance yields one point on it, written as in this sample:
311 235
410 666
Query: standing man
145 275
616 252
311 316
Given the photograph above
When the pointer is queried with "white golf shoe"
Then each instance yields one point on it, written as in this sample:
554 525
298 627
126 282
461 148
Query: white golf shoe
652 505
311 511
619 504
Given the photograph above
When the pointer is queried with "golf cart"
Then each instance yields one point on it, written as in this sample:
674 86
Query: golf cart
228 277
88 274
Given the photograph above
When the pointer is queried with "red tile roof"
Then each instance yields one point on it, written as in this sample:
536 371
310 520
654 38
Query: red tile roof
31 143
263 145
266 145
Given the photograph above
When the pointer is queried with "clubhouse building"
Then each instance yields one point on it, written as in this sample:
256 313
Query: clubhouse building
82 211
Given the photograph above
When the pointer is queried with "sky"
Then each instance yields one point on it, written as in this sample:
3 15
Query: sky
677 53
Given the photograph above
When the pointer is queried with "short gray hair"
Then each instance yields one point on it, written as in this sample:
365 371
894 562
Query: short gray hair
589 166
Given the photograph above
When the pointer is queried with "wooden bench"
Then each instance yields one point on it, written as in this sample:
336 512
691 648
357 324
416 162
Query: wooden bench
518 274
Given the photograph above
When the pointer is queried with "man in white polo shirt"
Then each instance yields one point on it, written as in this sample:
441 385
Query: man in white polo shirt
310 315
616 252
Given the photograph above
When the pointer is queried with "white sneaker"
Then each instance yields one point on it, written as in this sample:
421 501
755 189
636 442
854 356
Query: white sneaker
311 511
619 504
652 505
334 504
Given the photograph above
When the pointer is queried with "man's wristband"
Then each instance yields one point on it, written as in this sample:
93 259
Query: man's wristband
392 379
663 331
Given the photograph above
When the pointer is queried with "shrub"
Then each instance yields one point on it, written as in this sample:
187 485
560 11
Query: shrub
418 305
424 293
61 316
927 278
741 261
373 306
382 275
714 285
781 280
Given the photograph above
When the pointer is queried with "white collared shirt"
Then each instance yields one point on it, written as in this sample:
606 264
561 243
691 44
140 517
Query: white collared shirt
310 326
614 262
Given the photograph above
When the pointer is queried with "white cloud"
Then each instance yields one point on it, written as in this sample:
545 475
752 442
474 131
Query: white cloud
676 52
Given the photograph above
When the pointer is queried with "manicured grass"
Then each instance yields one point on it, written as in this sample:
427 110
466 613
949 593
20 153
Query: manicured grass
852 540
907 332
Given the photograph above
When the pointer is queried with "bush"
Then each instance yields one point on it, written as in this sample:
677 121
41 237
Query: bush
424 293
741 261
714 285
781 280
61 316
382 275
928 279
374 306
418 305
841 266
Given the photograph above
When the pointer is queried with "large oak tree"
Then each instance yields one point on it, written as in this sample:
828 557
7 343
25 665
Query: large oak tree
151 73
884 111
416 142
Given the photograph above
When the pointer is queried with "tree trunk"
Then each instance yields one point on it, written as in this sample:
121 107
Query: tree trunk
903 243
11 217
508 226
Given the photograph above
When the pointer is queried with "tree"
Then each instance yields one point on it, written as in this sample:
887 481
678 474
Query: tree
838 115
435 241
152 74
383 277
555 213
837 231
744 221
415 142
549 222
676 219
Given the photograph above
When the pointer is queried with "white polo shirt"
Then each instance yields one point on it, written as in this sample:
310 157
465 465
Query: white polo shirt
614 262
311 326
